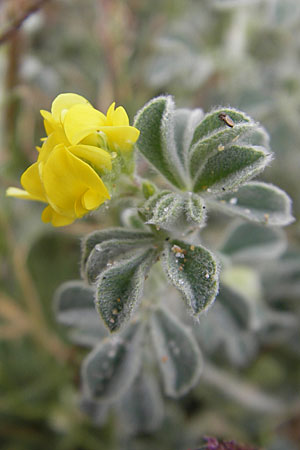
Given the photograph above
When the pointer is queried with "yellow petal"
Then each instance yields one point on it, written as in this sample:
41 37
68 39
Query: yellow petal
98 157
49 122
20 193
64 102
31 182
116 117
120 117
57 220
90 199
67 178
54 139
121 138
81 121
110 113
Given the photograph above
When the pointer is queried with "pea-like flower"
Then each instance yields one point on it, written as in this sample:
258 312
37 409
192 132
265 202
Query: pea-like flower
80 145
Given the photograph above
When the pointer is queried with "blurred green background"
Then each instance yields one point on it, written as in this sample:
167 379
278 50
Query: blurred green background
204 52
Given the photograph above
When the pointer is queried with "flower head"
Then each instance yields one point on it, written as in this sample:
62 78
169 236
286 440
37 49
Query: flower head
74 157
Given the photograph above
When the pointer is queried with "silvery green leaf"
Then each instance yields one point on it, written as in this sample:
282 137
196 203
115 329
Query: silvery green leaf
219 332
120 288
235 304
111 234
258 202
74 304
195 210
109 370
228 148
252 242
142 407
97 411
212 123
193 271
88 336
241 292
157 141
230 168
129 218
281 278
186 120
106 253
178 354
174 212
165 210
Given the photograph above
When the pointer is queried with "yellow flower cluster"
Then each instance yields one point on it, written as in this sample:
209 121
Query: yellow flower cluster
78 149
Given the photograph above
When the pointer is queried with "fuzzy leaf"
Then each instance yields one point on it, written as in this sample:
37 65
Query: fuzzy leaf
142 405
74 304
165 210
157 142
235 304
101 236
259 202
281 278
97 411
252 242
212 123
186 121
174 212
193 271
107 252
220 332
120 288
178 354
110 368
88 336
241 292
220 154
195 210
230 168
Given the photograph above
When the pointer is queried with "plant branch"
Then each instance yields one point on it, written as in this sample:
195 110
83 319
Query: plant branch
10 32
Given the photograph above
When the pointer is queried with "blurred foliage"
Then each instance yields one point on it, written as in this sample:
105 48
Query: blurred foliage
205 52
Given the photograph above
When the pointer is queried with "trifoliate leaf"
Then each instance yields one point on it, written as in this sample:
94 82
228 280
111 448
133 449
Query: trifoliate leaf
174 212
157 142
178 354
258 202
109 370
120 288
251 242
193 271
227 149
